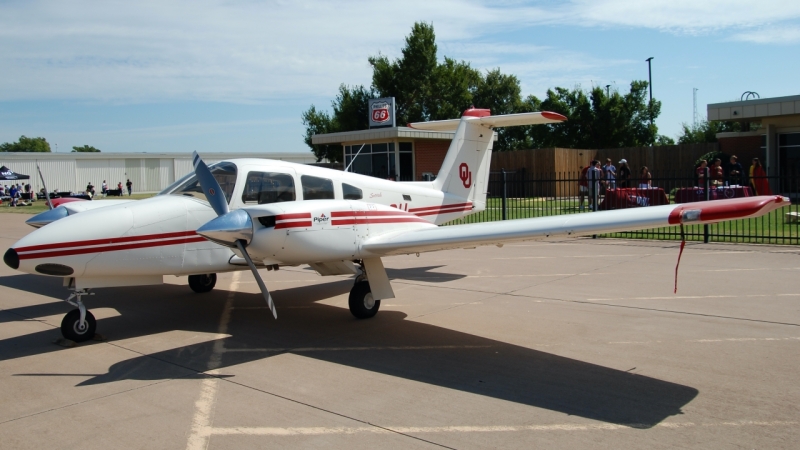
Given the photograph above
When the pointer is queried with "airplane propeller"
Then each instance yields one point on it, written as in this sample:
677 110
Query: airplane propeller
237 223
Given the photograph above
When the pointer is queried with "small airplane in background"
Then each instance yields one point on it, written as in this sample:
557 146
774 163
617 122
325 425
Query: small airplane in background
257 213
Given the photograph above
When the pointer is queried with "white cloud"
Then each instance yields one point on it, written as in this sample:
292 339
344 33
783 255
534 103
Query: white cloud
774 35
249 51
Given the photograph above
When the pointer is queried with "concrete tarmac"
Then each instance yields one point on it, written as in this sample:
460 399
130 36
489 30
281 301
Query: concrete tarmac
574 343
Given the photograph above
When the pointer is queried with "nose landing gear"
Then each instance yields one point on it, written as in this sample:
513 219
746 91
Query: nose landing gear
79 324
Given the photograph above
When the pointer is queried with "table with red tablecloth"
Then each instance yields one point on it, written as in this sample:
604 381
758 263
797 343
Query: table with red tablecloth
633 198
698 194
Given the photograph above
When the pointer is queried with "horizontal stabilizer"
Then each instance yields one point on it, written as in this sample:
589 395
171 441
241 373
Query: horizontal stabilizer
505 120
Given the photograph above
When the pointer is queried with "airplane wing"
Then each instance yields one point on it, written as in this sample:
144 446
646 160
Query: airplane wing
505 120
496 233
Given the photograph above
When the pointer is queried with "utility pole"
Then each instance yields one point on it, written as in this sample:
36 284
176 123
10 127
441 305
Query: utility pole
650 84
694 111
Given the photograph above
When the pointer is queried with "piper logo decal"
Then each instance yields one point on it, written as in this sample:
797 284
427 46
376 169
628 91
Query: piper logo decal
322 218
465 175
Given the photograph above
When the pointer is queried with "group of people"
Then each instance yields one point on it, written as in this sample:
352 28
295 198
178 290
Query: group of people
90 190
14 192
595 178
733 175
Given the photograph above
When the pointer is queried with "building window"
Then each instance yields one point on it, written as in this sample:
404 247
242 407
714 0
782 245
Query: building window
315 188
268 187
351 192
406 162
789 161
380 160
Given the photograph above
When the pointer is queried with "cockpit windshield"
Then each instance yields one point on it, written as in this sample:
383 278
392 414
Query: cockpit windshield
224 173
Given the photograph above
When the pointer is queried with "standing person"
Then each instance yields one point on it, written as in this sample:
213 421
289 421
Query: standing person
624 175
583 187
758 178
610 173
13 194
701 173
119 188
645 179
735 172
129 185
717 173
104 188
594 177
90 190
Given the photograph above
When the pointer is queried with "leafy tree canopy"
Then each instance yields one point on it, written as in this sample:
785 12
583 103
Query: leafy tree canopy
85 149
705 131
426 89
26 144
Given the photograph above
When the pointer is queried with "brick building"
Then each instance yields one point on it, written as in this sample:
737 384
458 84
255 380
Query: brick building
400 152
775 139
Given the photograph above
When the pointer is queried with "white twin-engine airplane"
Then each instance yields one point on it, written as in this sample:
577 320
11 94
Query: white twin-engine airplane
265 213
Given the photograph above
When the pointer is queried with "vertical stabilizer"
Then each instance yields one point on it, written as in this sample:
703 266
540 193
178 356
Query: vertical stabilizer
465 170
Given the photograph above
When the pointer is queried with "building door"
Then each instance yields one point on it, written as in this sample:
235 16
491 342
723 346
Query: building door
789 162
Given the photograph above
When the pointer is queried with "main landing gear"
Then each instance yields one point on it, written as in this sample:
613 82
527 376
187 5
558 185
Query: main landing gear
203 283
79 324
362 304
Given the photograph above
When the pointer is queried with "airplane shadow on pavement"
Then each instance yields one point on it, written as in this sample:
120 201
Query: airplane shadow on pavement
395 346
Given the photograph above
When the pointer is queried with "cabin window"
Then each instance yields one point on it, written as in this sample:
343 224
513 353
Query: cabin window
351 192
224 173
315 188
268 187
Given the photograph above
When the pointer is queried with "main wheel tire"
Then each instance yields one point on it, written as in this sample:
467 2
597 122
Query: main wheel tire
362 304
71 329
203 283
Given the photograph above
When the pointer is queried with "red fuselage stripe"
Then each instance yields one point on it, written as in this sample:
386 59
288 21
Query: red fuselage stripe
445 211
366 221
111 248
429 208
293 216
106 241
279 226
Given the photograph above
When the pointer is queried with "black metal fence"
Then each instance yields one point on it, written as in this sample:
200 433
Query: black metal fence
519 195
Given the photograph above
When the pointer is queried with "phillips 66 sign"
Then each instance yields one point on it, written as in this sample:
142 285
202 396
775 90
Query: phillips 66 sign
381 112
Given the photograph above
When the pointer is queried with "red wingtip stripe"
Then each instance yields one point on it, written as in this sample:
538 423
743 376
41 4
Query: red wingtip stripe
735 208
553 116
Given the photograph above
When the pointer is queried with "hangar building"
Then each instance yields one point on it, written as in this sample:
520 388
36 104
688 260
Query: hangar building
149 172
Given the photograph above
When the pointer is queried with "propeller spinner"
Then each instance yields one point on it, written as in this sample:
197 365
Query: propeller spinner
232 229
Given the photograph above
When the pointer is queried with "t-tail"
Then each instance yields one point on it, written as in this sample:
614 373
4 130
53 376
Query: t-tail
465 171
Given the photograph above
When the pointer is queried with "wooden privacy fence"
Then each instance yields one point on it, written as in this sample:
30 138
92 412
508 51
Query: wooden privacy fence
673 158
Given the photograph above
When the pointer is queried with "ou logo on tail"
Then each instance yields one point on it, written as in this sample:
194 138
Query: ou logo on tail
465 175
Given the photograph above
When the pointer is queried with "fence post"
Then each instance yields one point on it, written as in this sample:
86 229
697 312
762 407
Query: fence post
593 192
708 197
505 192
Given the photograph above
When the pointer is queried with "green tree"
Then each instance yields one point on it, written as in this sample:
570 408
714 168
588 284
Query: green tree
26 144
597 119
85 149
705 131
427 90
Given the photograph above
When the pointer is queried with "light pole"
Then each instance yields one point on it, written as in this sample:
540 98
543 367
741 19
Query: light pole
650 84
607 86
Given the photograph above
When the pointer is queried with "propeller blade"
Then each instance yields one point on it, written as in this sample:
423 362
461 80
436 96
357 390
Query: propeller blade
260 282
211 188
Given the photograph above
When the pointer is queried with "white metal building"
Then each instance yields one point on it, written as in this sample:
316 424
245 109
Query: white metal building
149 172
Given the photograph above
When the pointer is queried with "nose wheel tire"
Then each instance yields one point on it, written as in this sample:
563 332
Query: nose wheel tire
71 326
202 283
362 304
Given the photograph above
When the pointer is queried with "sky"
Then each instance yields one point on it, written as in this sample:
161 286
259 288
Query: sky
236 75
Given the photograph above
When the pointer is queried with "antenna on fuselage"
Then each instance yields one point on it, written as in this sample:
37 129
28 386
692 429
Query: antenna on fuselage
354 157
